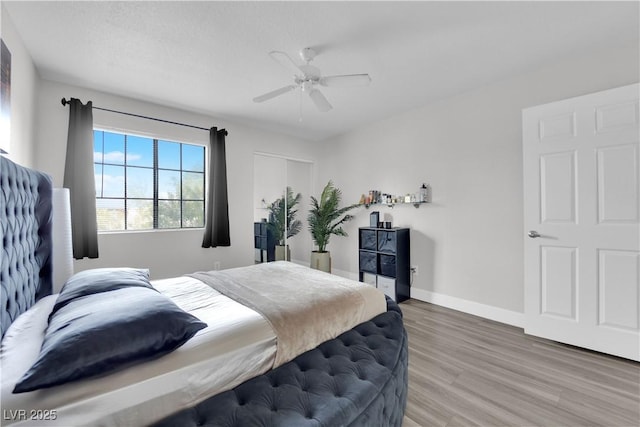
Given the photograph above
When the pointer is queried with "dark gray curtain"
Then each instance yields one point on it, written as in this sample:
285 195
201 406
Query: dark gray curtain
79 179
217 219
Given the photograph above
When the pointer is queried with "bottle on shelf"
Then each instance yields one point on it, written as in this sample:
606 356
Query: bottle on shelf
424 193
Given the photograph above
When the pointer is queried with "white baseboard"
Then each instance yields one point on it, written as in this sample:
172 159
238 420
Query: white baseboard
490 312
501 315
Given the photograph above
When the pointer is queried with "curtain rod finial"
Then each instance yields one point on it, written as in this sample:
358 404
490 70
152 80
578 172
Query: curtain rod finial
64 102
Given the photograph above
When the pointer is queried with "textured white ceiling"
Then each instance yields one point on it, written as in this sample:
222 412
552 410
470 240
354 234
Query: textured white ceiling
212 57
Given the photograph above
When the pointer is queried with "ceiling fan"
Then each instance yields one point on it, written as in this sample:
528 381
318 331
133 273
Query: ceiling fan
307 77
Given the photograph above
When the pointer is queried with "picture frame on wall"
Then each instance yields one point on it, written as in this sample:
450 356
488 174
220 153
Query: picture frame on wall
5 98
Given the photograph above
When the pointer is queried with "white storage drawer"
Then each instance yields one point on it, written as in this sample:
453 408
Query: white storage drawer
369 279
388 286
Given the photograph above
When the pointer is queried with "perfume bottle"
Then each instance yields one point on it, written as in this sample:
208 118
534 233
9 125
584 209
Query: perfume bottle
424 193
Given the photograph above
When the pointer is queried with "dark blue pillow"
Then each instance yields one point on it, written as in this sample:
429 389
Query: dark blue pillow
100 332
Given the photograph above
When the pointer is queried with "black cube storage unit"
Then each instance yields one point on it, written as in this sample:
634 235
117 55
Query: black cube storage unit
264 242
384 260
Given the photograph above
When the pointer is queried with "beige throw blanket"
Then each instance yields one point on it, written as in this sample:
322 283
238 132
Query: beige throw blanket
305 307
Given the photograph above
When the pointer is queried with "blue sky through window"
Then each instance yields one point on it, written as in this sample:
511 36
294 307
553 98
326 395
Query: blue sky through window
113 181
139 151
113 148
193 158
168 155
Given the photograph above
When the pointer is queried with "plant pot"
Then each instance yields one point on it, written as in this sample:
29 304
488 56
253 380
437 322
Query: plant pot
321 261
280 253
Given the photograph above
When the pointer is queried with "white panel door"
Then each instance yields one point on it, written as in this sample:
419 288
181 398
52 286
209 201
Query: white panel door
581 159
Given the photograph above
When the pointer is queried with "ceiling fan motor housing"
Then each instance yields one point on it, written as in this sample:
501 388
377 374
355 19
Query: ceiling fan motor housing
310 74
307 54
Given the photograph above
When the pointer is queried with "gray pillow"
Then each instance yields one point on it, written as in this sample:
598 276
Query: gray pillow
99 280
98 330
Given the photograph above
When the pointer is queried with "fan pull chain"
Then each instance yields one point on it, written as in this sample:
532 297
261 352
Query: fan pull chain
300 110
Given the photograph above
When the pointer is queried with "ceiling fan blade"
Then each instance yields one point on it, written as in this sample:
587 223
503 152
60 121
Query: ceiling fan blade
286 61
274 93
346 80
321 102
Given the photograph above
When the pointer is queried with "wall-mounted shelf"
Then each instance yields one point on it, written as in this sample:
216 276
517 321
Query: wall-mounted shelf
391 205
379 198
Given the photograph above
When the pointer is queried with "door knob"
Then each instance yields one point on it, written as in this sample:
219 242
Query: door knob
533 234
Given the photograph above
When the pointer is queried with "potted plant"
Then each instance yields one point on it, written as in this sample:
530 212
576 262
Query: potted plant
325 219
282 220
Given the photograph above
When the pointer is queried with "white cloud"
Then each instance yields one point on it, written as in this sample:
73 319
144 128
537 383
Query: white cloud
115 157
131 157
113 186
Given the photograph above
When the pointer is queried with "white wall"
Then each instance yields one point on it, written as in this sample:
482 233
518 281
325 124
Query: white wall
166 253
24 86
468 244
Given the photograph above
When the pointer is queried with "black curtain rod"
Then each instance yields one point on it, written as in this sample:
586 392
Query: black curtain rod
65 102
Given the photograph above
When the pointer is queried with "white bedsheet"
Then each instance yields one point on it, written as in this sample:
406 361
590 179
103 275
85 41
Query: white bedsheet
238 344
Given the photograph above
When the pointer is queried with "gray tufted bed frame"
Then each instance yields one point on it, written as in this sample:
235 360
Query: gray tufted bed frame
25 218
356 379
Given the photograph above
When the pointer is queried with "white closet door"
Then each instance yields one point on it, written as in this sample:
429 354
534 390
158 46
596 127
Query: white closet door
581 217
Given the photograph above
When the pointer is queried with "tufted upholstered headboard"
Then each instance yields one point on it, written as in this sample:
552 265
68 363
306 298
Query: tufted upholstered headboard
25 219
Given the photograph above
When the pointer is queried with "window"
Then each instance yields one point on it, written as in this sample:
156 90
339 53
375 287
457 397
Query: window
144 183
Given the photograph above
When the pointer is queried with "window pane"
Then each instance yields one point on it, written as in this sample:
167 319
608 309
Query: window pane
139 151
110 214
113 148
193 186
168 184
192 157
97 176
168 155
168 214
140 183
193 214
139 214
113 181
125 175
97 146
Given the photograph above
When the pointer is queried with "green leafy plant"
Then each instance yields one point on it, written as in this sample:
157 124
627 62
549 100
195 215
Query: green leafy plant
283 216
326 217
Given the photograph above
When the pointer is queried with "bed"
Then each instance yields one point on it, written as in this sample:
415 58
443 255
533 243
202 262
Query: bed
356 375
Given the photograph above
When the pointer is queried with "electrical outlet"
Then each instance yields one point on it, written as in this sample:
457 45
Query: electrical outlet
216 265
414 270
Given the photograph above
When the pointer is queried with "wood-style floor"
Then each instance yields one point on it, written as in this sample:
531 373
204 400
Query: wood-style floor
469 371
